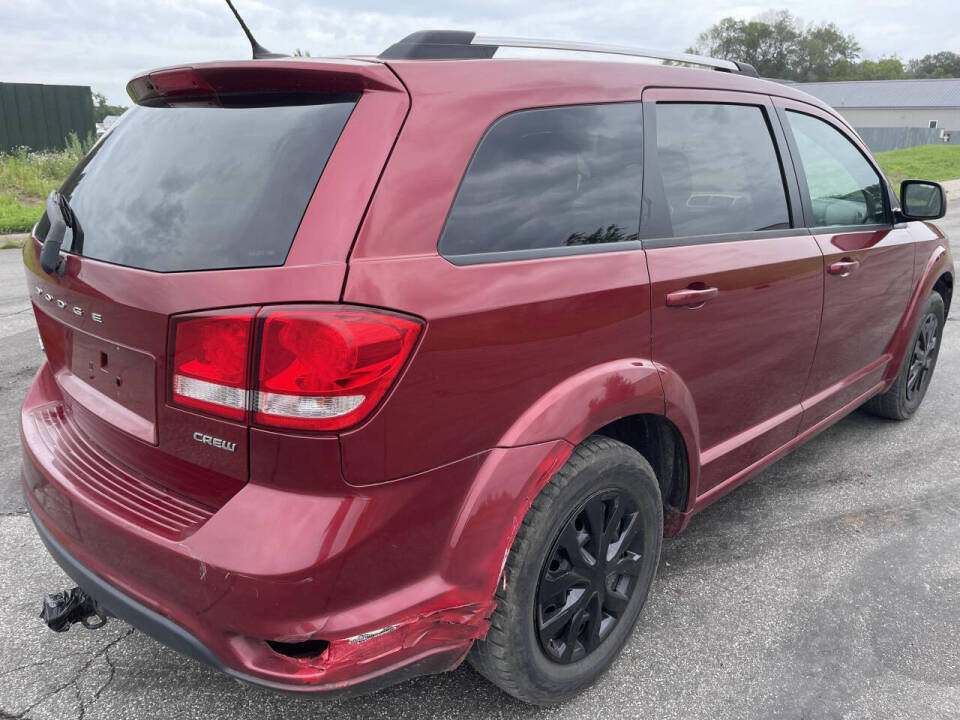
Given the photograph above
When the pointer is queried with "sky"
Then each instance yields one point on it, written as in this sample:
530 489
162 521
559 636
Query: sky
103 43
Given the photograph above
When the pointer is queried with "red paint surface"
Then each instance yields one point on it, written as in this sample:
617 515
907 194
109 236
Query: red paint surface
406 519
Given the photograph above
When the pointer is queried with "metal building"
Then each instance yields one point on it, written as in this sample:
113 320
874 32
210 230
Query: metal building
893 103
41 116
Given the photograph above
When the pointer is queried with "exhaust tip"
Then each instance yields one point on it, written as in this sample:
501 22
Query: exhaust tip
300 650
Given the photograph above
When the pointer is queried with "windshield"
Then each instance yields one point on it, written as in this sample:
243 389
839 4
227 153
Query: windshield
190 188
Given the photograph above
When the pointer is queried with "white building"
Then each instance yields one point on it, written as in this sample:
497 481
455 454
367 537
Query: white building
893 103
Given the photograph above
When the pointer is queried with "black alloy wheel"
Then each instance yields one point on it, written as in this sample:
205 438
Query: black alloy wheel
577 575
902 399
589 577
924 354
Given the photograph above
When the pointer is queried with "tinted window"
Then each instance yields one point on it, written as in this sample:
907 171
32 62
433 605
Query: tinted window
844 188
202 188
720 169
551 177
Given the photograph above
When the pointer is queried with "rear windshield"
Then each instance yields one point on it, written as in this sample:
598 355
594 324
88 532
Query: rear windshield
192 188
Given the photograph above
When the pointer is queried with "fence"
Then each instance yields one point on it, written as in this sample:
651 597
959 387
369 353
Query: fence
41 116
897 138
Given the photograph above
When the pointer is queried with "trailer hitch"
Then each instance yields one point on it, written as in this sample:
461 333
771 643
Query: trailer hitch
63 609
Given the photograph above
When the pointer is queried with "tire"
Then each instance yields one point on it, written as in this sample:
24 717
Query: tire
601 478
903 398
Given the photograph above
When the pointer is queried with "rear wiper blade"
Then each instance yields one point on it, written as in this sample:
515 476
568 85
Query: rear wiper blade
61 217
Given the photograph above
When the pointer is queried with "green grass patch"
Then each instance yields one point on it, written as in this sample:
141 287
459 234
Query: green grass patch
17 216
924 162
26 178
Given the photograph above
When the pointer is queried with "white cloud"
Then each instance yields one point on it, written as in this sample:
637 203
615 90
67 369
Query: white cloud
103 43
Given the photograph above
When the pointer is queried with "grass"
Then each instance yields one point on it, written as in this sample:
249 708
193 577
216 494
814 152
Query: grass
26 178
16 216
924 162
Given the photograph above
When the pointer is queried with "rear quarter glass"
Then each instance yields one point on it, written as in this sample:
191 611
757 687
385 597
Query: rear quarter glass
198 188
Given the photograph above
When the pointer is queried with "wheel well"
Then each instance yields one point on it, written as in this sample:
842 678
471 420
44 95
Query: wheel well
661 443
944 286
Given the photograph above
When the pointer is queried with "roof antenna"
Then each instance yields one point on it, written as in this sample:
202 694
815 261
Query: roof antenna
259 51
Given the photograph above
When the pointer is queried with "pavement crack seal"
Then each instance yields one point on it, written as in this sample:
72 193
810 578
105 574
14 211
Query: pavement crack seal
74 681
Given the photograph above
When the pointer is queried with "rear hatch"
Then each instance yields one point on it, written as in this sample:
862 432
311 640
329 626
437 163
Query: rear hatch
228 185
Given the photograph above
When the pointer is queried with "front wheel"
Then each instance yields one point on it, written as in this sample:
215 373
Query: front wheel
903 398
576 577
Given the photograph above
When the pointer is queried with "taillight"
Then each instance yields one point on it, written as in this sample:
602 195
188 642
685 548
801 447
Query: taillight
317 369
210 361
326 370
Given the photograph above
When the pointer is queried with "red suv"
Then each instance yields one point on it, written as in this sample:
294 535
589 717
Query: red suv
356 368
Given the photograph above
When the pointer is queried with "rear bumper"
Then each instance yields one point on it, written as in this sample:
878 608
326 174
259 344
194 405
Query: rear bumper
175 637
397 578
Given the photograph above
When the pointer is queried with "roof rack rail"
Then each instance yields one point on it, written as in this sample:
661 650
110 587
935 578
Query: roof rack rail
460 44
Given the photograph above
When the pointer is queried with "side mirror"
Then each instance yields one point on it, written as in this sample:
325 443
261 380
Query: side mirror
50 254
922 200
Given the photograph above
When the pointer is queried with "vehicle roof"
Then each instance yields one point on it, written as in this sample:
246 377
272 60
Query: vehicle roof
515 74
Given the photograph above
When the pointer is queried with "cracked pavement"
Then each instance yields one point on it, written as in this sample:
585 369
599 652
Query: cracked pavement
826 587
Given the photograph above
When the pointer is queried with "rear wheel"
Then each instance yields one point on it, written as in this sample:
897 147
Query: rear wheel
577 575
908 390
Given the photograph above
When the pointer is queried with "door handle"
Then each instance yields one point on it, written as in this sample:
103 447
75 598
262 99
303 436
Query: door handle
843 267
692 297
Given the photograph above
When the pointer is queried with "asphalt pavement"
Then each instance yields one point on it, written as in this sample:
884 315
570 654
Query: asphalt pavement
826 587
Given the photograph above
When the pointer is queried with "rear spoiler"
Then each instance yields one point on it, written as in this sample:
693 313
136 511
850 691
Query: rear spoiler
258 83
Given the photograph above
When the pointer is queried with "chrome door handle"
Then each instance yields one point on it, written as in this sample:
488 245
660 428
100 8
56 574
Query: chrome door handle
843 267
691 297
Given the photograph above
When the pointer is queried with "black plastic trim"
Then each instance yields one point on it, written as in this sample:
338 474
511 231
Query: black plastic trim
842 229
549 252
746 69
438 45
656 243
899 213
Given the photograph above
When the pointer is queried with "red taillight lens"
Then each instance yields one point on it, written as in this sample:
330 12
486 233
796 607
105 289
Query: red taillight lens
326 370
210 359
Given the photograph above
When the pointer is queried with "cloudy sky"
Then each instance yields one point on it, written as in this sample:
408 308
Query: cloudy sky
102 43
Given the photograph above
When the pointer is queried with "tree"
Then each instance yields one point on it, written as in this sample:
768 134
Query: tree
779 45
883 69
822 49
938 65
101 109
754 42
777 53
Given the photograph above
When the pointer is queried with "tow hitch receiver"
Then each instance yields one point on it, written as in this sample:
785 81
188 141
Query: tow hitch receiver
63 609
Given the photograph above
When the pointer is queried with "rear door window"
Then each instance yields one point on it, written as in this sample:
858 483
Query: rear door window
844 188
551 178
192 188
720 169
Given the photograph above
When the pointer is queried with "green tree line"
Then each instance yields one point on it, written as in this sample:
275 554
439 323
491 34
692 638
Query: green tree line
782 46
101 109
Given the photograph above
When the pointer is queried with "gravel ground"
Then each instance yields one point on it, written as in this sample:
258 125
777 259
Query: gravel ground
826 587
